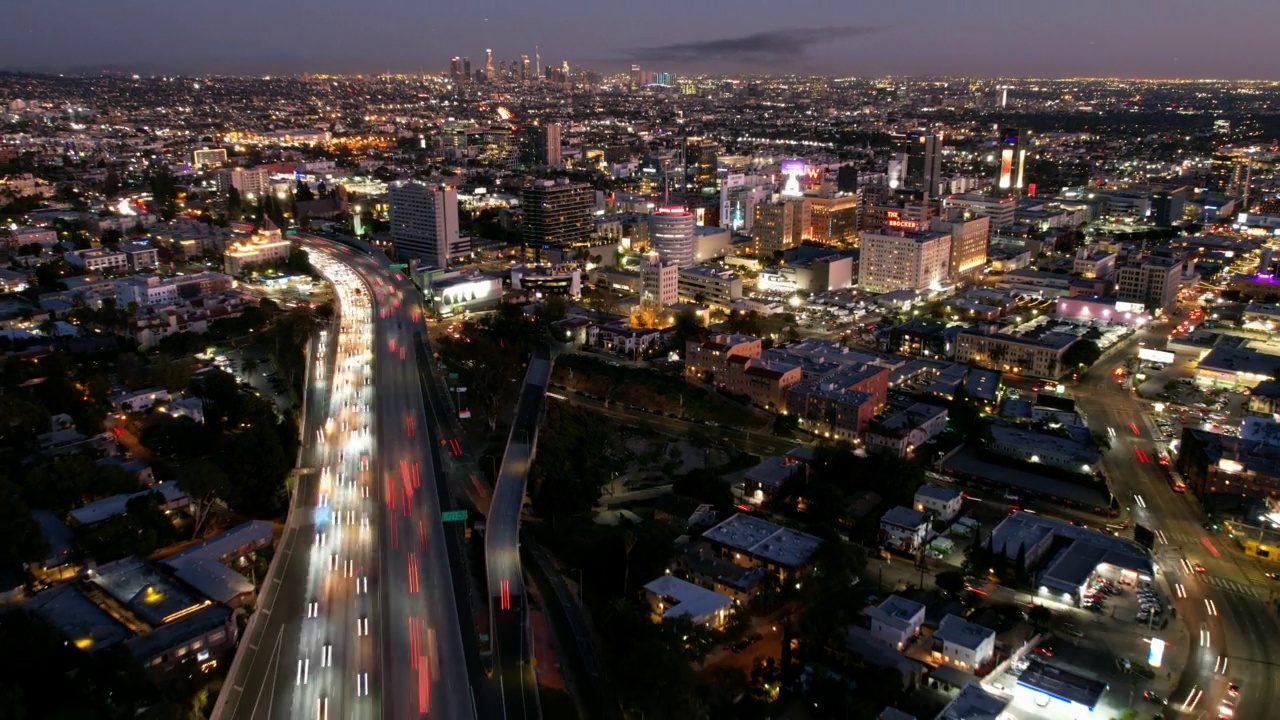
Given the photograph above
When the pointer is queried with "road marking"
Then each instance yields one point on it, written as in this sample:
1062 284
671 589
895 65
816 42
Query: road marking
1180 590
1160 535
1193 699
1233 586
1141 503
1205 637
1210 607
1220 666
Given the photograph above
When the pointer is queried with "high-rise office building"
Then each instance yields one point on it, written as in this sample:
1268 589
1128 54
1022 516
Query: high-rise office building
904 260
834 218
637 77
557 216
424 222
455 70
502 69
1230 174
700 160
928 148
1152 280
970 235
547 143
525 73
488 64
466 68
1012 157
1167 206
738 200
671 232
781 224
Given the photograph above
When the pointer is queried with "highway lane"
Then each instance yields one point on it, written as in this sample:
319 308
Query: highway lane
1224 602
300 663
423 653
518 685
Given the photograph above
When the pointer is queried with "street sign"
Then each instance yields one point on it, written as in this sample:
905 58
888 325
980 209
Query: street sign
399 266
453 376
453 516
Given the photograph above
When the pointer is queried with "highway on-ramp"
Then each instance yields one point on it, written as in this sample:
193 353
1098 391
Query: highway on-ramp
502 549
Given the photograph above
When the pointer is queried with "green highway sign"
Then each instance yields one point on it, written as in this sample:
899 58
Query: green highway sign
399 266
454 516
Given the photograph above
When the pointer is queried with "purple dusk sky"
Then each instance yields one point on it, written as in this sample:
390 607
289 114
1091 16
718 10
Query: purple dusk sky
1028 38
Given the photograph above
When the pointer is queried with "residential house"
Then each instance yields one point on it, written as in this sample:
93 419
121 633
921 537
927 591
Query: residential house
943 503
963 645
904 529
896 620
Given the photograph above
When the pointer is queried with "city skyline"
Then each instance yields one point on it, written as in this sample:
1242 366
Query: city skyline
823 38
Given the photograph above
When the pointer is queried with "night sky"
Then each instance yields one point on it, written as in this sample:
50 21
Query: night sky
1029 38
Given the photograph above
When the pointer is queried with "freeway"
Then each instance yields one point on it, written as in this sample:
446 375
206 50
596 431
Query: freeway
365 624
508 607
1231 628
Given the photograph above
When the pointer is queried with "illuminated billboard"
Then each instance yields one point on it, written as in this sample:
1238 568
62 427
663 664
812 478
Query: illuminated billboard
794 168
1006 168
1156 356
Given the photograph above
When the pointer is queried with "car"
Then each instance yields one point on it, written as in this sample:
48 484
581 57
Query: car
1273 576
1233 690
1045 651
1200 568
1157 699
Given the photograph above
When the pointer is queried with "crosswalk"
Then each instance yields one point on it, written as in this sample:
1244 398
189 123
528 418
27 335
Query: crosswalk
1232 586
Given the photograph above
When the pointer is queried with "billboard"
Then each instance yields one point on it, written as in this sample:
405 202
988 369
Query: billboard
794 168
1006 168
1156 356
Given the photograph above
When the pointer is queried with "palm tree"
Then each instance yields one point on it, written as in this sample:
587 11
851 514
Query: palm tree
248 365
628 542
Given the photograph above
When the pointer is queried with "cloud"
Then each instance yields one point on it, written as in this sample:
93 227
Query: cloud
791 44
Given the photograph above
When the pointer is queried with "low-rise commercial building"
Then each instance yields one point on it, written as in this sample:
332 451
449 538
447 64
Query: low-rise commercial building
709 286
264 247
841 404
1053 451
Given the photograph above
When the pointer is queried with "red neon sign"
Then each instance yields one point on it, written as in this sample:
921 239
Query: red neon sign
894 219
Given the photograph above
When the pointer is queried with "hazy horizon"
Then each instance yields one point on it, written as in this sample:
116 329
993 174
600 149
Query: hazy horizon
1139 39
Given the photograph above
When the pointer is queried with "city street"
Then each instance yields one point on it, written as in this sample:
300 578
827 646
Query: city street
1223 608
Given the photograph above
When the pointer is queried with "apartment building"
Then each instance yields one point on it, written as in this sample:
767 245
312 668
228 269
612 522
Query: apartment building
711 356
764 382
1039 356
709 286
904 260
98 260
1152 280
841 404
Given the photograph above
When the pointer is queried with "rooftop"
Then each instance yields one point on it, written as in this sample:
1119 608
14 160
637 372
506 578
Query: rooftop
903 517
940 493
78 618
974 703
684 599
962 633
152 597
765 540
1062 684
114 505
896 612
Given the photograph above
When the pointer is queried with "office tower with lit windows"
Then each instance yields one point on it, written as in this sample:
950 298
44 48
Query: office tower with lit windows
547 142
970 235
781 224
671 231
1011 157
424 222
557 216
700 160
524 69
928 150
637 77
488 64
466 68
904 260
455 70
834 217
